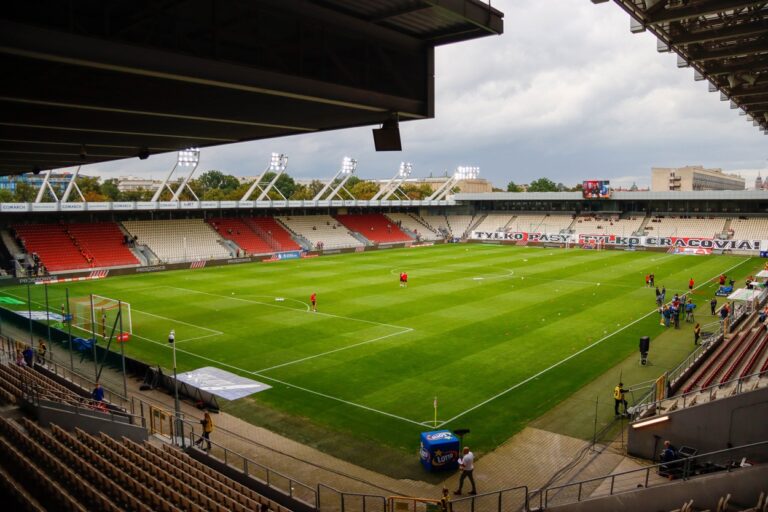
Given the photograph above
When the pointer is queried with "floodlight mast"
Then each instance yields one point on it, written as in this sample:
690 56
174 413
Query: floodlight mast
187 158
348 166
277 164
392 187
184 158
46 185
461 173
72 185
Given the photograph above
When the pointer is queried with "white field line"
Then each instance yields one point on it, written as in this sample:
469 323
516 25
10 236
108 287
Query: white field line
214 331
542 372
321 354
288 308
306 390
184 340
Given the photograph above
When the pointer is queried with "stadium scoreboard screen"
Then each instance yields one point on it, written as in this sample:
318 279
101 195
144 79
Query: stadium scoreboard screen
596 189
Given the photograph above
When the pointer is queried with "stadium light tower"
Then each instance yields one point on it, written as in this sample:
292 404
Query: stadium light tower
278 162
460 174
392 187
185 158
348 167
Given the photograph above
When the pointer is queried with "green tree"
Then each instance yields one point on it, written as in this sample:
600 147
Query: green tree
542 185
514 187
88 184
110 190
364 189
6 196
413 191
305 192
140 194
24 193
215 180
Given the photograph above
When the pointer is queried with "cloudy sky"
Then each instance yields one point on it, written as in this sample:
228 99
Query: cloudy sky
567 92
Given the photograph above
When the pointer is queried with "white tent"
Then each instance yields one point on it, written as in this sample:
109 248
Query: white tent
744 294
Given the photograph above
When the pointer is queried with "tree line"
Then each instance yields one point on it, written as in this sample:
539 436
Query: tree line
543 185
211 185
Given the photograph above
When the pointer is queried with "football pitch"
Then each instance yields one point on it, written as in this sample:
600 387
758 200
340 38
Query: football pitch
497 334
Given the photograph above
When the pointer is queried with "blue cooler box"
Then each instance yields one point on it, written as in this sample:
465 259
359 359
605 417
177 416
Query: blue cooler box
439 450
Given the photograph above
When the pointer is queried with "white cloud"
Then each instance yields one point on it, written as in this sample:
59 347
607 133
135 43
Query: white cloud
567 92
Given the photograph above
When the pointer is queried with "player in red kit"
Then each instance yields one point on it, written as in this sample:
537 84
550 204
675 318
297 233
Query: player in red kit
690 284
405 279
402 279
313 300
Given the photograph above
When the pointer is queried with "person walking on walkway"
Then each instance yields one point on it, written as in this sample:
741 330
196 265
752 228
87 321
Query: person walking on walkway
467 466
207 423
445 501
41 350
696 334
713 305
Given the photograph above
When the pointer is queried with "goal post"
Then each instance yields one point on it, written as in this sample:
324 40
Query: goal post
95 313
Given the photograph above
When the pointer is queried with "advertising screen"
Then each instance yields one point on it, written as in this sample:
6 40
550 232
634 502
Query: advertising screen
596 189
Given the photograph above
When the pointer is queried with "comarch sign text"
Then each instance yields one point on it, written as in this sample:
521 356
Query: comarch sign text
669 242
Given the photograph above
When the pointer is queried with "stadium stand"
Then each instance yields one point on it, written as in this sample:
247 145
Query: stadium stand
322 231
611 224
749 229
704 227
274 234
540 223
438 224
415 224
460 224
178 240
238 231
56 249
494 222
104 241
375 227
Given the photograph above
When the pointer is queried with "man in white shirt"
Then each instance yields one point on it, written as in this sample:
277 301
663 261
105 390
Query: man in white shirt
467 466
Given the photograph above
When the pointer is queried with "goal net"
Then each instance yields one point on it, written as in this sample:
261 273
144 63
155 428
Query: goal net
94 313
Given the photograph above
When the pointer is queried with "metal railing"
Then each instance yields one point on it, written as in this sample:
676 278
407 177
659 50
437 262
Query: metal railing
657 474
506 500
85 383
286 485
333 500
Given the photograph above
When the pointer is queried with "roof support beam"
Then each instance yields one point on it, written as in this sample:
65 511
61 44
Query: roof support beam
720 33
698 9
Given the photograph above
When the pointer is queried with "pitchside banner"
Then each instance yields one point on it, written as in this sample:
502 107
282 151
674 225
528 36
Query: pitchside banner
685 244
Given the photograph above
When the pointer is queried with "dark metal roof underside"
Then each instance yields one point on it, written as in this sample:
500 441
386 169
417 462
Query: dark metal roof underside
725 41
92 81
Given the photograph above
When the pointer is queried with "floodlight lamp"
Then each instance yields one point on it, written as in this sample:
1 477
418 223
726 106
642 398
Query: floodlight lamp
188 157
405 169
348 165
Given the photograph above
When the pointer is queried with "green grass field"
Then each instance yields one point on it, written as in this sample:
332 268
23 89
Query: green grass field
500 334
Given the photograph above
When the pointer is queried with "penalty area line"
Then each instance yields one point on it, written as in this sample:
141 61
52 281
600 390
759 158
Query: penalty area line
575 354
340 349
272 379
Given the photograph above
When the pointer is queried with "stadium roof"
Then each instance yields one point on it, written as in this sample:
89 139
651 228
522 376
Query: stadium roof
702 195
91 81
724 41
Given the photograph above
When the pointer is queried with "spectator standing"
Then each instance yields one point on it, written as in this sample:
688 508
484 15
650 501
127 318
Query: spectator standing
653 280
696 334
668 456
677 316
689 310
713 305
207 423
445 501
29 355
619 399
98 393
41 351
467 466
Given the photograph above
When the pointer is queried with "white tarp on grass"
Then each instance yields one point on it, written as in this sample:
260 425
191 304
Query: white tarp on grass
222 383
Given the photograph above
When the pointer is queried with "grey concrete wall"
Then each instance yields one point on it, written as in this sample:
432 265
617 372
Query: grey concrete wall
68 420
744 485
716 425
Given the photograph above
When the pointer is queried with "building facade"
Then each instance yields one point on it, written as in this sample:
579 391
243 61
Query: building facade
57 180
693 177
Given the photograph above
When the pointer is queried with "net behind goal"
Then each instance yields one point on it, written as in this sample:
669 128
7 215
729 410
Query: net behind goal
94 313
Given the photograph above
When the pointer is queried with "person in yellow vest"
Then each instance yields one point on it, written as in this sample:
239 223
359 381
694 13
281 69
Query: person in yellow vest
445 501
618 398
207 424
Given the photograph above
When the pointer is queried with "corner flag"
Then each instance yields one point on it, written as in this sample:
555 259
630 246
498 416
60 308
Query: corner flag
435 406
